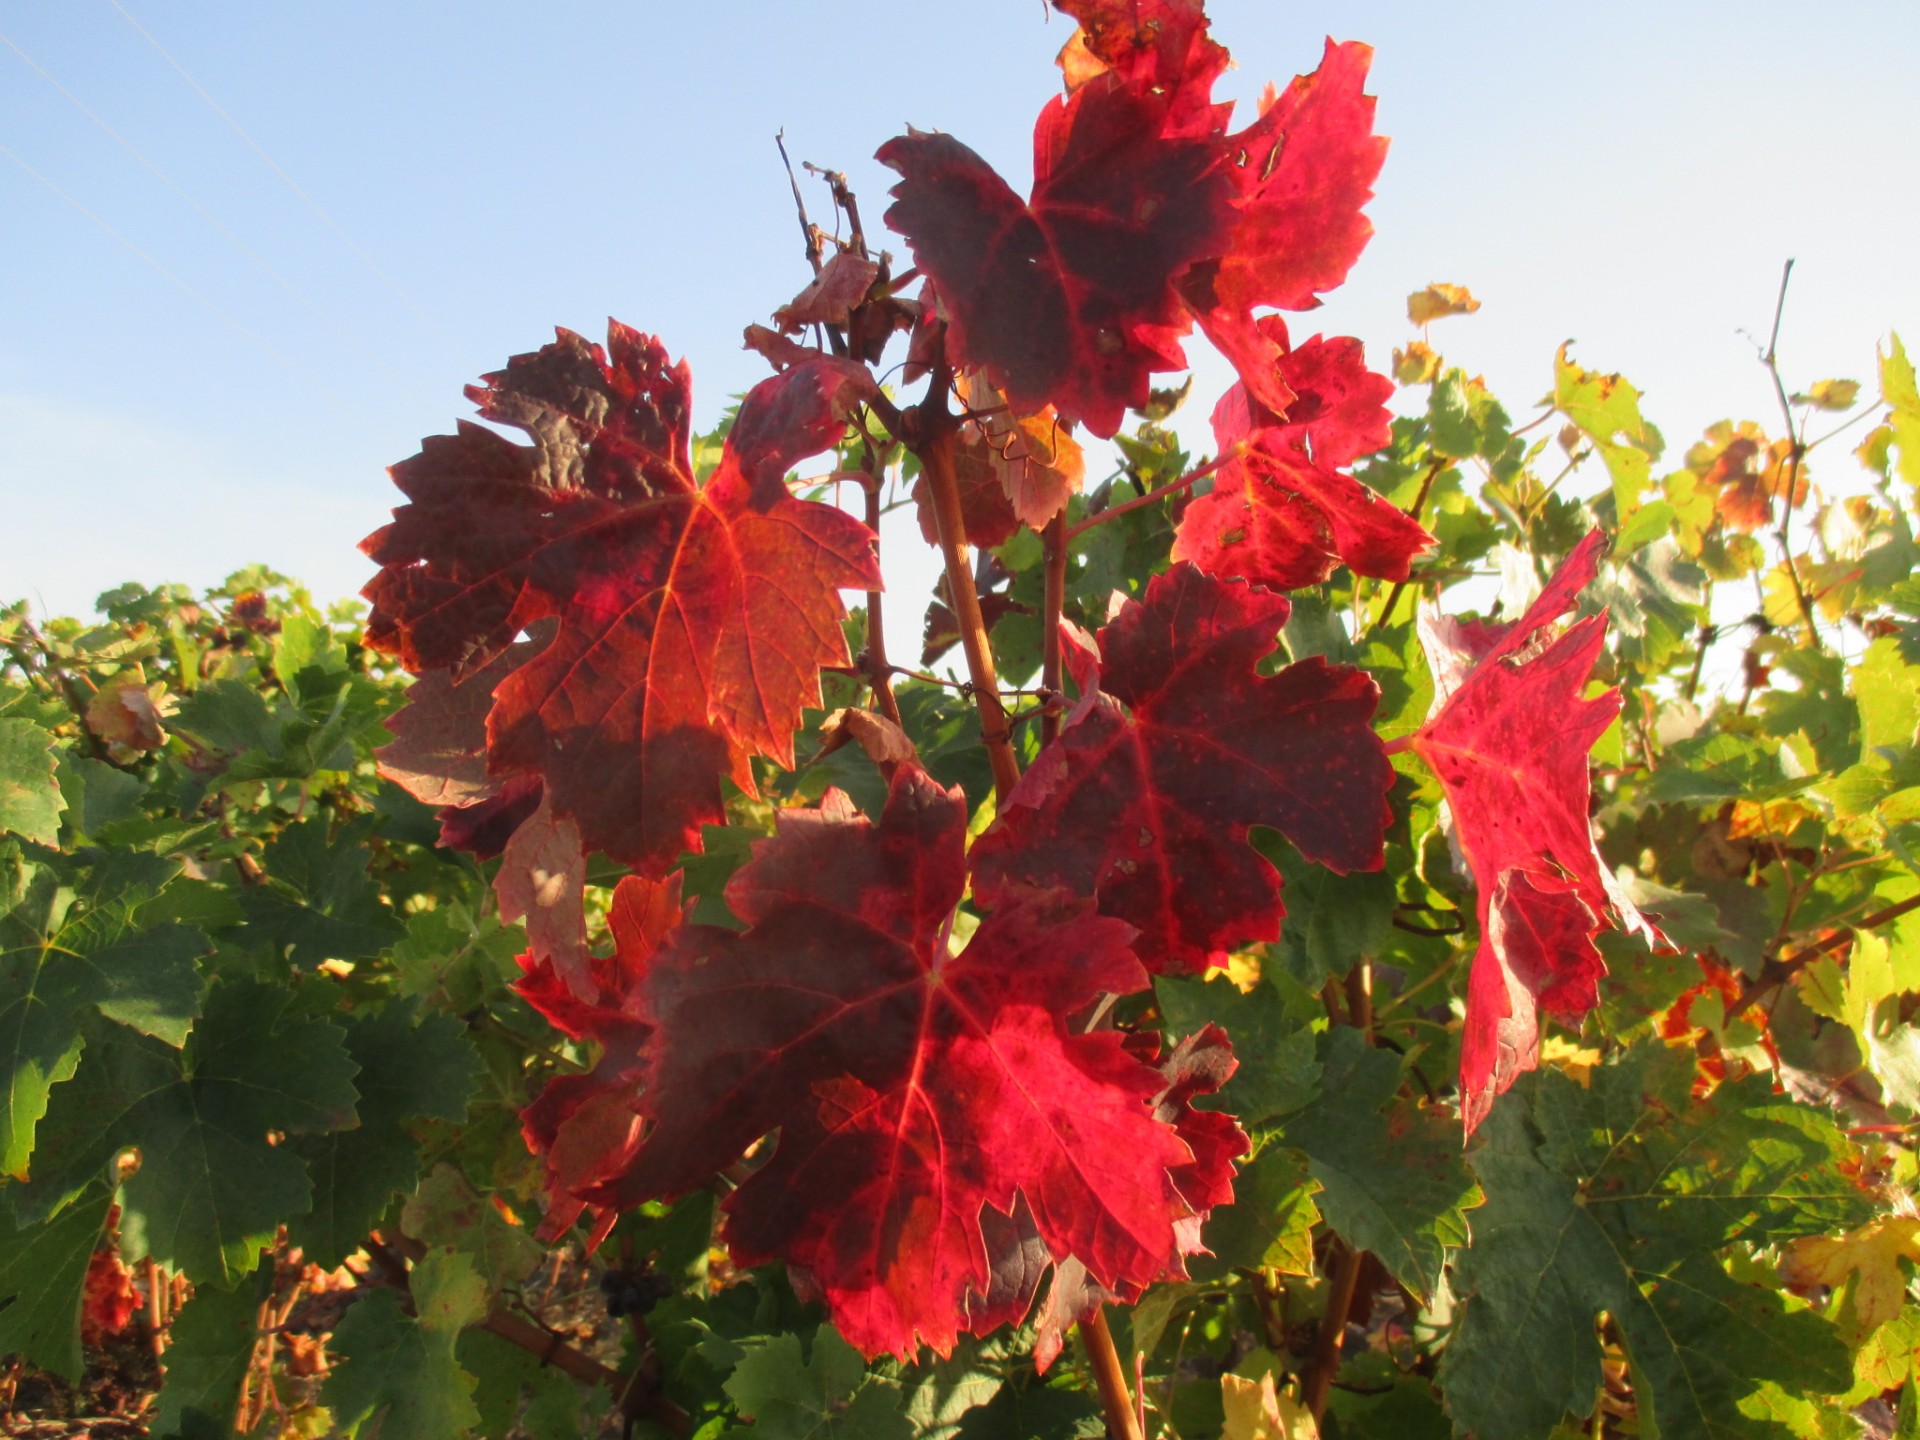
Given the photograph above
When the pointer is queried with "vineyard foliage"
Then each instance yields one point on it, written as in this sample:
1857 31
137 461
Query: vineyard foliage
1406 923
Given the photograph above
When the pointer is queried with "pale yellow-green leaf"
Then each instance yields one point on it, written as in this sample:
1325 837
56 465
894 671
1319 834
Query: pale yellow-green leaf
1867 1260
1607 410
1257 1410
1830 394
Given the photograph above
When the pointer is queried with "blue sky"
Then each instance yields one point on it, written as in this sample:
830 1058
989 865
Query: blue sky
1629 176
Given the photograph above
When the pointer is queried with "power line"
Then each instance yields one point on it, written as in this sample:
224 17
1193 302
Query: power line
253 257
286 179
184 288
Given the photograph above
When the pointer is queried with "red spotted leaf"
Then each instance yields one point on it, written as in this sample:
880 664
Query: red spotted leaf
1148 808
692 620
920 1097
1284 514
1509 738
1159 48
1304 170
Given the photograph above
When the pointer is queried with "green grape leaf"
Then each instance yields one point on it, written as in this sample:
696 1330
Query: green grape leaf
1392 1177
1279 1071
97 795
455 959
74 941
1710 769
30 799
43 1277
1333 921
230 716
935 1396
447 1211
514 1388
1606 408
1887 690
1819 708
1902 394
1464 420
399 1375
209 1351
1028 1407
407 1072
313 730
1615 1200
212 1188
1890 1046
1269 1225
319 902
826 1397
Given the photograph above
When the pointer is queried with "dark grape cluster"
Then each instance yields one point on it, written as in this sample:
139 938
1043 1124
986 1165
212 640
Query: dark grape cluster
633 1292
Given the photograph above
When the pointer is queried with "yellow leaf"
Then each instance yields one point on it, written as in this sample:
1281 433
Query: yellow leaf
1243 968
1417 364
1830 394
1438 301
1871 1255
1257 1411
1770 819
1576 1060
1876 451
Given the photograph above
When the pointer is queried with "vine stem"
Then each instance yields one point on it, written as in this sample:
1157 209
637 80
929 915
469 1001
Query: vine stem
1123 1421
636 1394
1318 1382
1172 487
879 672
935 448
1777 972
1344 1278
1794 452
1434 468
1053 542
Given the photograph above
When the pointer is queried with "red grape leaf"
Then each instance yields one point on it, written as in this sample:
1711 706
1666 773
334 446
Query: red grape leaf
587 1127
842 283
107 1300
1198 1065
1148 810
1304 171
693 620
1154 47
1067 298
913 1089
439 756
438 753
1508 738
1145 215
542 884
776 349
1283 514
980 476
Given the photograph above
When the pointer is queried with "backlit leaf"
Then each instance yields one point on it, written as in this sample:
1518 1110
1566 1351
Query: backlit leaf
693 620
912 1087
1509 738
1285 512
1148 809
